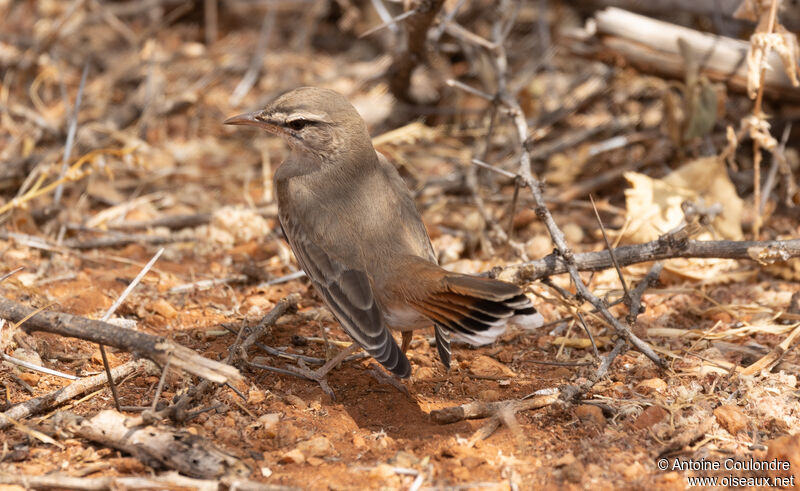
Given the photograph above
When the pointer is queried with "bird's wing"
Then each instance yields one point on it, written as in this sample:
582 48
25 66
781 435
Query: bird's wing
412 222
348 293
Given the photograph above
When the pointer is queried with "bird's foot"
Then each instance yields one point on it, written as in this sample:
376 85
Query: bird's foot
317 376
321 375
386 378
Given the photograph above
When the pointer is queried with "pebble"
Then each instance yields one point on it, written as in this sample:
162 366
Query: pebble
649 417
294 456
318 446
786 449
484 366
590 414
731 418
651 385
295 401
269 424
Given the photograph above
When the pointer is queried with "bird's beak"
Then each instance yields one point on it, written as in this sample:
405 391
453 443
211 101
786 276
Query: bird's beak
251 119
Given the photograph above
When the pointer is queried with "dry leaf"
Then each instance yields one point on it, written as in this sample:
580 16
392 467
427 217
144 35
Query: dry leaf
654 205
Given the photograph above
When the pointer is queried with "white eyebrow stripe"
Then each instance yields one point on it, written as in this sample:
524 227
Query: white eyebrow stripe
308 116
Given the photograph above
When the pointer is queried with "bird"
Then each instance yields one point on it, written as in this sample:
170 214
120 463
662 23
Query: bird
354 228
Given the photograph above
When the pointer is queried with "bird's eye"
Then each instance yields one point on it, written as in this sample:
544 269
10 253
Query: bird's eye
297 124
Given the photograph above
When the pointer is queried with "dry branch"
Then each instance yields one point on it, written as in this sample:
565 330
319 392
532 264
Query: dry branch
662 248
652 46
478 409
155 446
55 398
789 16
167 480
156 348
399 74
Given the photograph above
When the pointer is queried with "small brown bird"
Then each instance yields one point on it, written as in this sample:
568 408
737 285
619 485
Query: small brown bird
357 234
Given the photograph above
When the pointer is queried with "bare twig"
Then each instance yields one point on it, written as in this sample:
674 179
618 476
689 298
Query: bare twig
53 399
662 248
251 76
157 348
73 127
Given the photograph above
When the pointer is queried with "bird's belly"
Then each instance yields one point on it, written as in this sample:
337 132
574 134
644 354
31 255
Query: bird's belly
405 318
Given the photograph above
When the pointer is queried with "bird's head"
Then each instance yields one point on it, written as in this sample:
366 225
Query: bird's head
313 121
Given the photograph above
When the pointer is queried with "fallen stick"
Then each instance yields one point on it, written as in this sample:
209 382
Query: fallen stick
478 409
156 446
661 248
168 480
156 348
652 46
64 394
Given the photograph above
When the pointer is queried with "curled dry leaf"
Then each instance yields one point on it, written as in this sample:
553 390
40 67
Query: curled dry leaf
654 205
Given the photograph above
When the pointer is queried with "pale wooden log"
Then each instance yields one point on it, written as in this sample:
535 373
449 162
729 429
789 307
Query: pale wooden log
652 46
789 16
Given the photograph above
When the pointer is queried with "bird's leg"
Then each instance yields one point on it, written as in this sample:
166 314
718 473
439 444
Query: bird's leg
320 375
407 335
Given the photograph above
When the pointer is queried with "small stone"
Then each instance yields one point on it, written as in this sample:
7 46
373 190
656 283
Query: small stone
786 449
269 424
539 246
590 414
525 217
315 461
573 472
573 233
28 355
404 459
381 472
461 474
29 378
506 357
633 471
295 401
266 471
731 418
164 308
359 442
489 395
471 462
316 447
227 434
649 417
97 358
566 459
422 373
294 456
256 396
651 385
484 366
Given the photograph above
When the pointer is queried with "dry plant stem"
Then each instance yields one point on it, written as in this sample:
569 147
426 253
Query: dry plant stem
156 348
119 240
251 76
635 299
37 368
113 309
73 127
610 250
773 12
55 398
11 273
479 409
286 305
403 66
662 248
169 480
